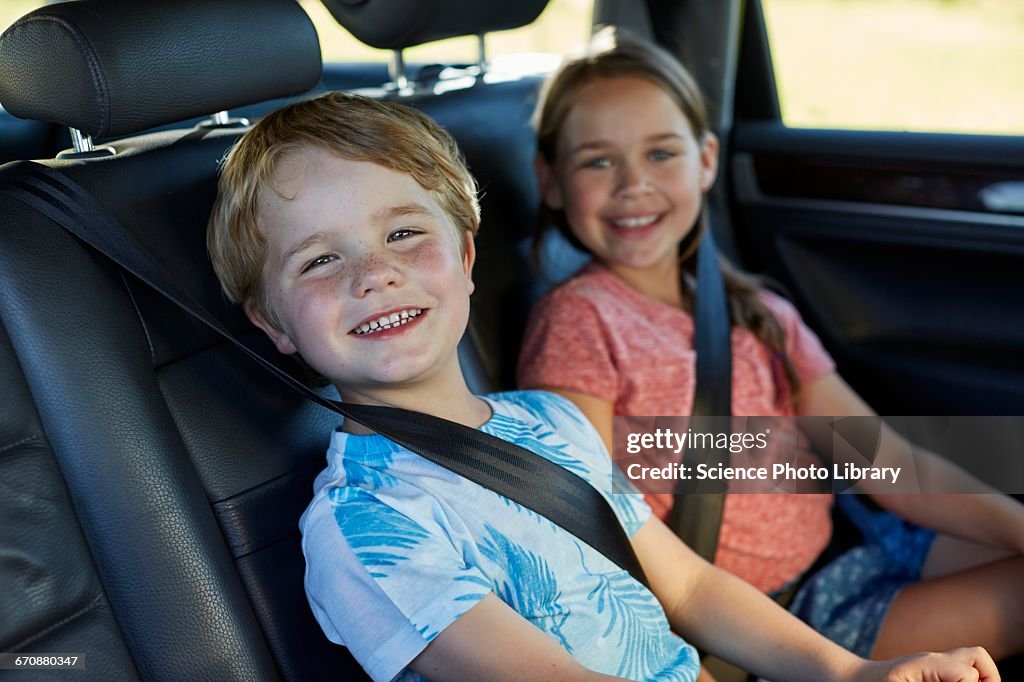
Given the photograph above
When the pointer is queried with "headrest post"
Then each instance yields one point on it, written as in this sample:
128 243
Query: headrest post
220 118
397 71
481 53
81 143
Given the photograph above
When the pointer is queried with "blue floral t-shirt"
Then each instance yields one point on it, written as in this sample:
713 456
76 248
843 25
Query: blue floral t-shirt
397 548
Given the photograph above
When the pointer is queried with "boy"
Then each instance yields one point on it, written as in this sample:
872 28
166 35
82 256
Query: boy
345 227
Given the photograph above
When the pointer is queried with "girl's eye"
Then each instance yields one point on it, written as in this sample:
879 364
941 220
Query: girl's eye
661 154
401 233
597 162
318 261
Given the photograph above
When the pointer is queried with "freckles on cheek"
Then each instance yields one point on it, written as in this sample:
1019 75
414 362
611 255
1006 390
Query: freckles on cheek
430 256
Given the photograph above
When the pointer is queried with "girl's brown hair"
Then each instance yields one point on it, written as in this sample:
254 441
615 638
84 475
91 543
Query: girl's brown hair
615 55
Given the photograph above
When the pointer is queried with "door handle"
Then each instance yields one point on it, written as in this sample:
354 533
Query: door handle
1003 197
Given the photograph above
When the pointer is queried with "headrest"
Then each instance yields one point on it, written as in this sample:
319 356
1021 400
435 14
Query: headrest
115 67
396 24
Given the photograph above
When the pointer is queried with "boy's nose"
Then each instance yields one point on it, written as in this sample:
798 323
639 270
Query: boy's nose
374 274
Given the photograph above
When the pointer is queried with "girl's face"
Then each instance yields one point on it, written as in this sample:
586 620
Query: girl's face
630 174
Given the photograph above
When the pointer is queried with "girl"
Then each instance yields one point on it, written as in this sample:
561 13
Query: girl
624 159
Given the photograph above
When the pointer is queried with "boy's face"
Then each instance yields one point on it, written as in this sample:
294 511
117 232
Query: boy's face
364 272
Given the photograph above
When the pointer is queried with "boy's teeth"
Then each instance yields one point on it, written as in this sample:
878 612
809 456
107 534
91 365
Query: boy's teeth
388 321
635 222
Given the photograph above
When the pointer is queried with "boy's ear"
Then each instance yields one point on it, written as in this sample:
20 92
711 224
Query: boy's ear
281 340
550 192
708 160
469 259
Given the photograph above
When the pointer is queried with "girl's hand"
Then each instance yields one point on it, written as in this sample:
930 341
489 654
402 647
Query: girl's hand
967 664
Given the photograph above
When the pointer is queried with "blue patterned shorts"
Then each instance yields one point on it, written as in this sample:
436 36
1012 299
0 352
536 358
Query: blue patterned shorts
847 599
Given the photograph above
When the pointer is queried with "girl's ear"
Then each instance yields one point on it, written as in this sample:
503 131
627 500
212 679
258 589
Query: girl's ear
708 160
550 192
281 340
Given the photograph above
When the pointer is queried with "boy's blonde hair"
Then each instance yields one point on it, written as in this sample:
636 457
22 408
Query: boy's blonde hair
353 127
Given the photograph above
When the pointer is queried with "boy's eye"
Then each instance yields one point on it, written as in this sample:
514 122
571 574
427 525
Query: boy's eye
402 233
318 261
661 154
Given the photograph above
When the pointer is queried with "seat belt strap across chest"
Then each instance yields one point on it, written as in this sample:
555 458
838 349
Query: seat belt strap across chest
696 515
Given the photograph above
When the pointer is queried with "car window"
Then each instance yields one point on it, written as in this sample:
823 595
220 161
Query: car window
563 26
12 10
914 65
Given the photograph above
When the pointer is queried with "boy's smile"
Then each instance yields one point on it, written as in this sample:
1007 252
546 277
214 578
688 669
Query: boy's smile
365 274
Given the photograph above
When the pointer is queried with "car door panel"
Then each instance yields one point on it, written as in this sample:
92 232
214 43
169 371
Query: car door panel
904 251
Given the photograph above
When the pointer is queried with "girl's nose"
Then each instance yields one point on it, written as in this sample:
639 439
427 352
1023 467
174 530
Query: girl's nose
632 180
374 274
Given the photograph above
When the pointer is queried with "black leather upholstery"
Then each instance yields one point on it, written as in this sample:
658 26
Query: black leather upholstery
144 79
52 599
394 24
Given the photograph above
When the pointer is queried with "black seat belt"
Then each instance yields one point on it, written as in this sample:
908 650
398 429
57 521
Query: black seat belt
505 468
696 515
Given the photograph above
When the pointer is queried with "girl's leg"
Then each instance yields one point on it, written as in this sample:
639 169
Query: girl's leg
951 555
969 594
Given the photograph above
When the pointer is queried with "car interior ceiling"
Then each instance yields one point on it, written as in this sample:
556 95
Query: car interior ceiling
153 475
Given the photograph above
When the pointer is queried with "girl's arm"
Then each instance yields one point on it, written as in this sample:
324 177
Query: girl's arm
985 516
731 619
598 410
726 616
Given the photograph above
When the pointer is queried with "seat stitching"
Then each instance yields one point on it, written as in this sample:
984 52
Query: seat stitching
142 320
91 59
32 436
91 606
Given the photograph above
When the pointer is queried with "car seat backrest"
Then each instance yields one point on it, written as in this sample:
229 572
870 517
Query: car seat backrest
153 477
489 114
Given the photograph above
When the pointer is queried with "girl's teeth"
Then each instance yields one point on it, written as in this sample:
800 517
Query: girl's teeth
630 223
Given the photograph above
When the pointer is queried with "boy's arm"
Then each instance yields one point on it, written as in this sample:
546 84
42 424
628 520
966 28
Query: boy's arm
986 517
493 642
726 616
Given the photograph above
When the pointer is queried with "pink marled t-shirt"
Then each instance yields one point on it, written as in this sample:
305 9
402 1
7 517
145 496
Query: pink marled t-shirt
594 334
